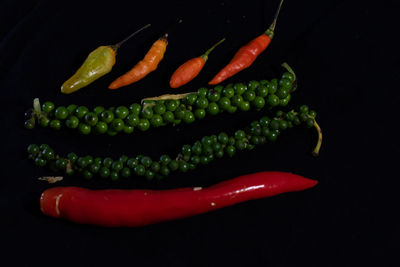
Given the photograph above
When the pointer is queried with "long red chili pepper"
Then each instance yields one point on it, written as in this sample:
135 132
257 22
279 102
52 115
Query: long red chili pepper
247 54
132 208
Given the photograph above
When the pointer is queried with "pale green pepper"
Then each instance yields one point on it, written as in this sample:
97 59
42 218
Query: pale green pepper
97 64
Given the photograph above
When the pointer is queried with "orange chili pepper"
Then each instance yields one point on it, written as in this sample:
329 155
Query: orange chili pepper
190 69
247 54
148 64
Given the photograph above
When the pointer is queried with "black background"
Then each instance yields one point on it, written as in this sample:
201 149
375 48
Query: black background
344 54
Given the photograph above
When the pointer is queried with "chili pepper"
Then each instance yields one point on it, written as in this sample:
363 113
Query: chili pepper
148 64
97 64
190 69
247 54
133 208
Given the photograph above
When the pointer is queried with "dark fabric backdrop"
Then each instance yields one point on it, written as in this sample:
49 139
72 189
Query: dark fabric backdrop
345 54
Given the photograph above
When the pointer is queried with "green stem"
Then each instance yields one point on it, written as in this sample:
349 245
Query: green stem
319 143
205 55
289 69
271 29
116 46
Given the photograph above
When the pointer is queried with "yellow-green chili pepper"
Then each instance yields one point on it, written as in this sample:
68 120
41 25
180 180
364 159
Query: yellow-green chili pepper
98 63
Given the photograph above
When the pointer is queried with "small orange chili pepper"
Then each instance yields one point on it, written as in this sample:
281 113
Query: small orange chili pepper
247 54
190 69
148 64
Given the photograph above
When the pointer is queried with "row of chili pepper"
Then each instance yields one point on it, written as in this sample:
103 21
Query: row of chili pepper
101 60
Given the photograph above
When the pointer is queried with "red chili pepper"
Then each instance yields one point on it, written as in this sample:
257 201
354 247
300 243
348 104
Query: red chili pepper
247 54
132 208
190 69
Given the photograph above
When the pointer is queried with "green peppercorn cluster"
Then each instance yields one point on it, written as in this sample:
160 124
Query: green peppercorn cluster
200 152
156 113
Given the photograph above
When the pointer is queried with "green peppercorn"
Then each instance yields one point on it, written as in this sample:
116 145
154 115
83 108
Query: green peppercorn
264 121
244 106
72 157
72 122
114 175
135 109
224 103
213 96
189 117
147 112
40 162
48 106
199 113
183 166
44 121
201 102
309 122
61 113
272 135
172 105
283 125
202 92
98 110
288 75
84 128
258 102
252 85
173 165
272 86
249 95
128 129
168 117
213 109
61 164
71 108
55 124
285 83
228 92
191 99
282 93
223 138
91 118
104 172
165 159
107 116
230 150
155 166
140 170
29 124
273 100
117 166
164 170
146 161
262 91
156 120
240 88
33 149
81 111
237 100
126 172
121 112
101 127
149 174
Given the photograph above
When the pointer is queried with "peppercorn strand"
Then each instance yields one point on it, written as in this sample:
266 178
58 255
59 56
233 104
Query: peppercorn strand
200 152
156 113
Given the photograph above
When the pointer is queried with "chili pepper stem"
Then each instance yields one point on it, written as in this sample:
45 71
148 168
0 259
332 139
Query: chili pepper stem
205 55
315 152
117 45
271 29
